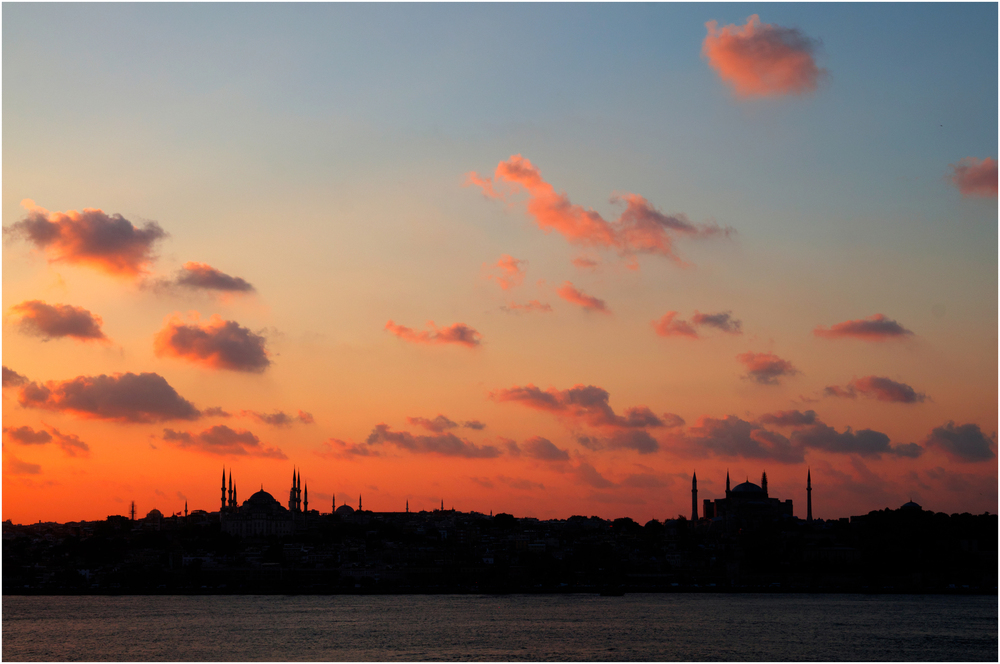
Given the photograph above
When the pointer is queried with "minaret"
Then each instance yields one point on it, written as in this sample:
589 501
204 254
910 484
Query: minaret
763 482
230 487
359 502
131 511
291 494
407 506
236 501
222 506
809 496
694 496
305 507
727 482
442 504
333 504
185 509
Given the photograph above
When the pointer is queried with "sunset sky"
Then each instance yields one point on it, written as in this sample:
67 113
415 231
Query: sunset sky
538 259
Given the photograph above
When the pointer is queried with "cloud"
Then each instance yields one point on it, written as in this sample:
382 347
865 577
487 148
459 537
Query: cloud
543 449
474 424
635 439
588 475
519 483
965 442
873 328
877 387
90 238
445 444
340 449
669 327
205 277
789 418
437 425
13 379
584 403
222 441
671 420
976 177
646 481
27 435
761 59
766 368
585 263
863 443
14 466
734 437
70 444
511 272
217 344
721 321
459 333
278 418
128 397
530 306
215 411
569 293
640 229
57 320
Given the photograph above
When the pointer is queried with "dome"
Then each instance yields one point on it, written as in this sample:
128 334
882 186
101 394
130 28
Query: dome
747 487
911 506
345 509
154 514
261 499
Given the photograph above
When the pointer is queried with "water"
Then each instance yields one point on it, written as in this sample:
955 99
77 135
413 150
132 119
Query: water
686 627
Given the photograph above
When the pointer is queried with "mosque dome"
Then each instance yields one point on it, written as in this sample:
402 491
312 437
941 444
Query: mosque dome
345 509
747 487
154 514
911 506
262 499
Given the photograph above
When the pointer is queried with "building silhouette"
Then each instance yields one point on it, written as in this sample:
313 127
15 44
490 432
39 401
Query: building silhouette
745 503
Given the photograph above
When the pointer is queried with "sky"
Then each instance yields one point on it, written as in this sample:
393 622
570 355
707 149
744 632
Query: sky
538 259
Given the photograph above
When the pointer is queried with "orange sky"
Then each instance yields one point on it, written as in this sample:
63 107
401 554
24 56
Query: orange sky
554 294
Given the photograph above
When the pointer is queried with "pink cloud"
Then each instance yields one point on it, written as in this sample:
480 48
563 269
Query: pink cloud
585 263
511 272
964 442
203 276
543 449
335 448
584 403
766 368
222 441
734 437
13 379
574 296
877 387
873 328
53 321
91 238
671 326
721 321
761 59
443 444
528 307
128 397
640 228
976 177
459 333
278 418
217 344
14 466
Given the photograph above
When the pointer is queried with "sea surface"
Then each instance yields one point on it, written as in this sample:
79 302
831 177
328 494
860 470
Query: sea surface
640 627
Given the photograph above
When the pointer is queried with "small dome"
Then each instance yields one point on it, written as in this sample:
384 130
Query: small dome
911 506
154 514
747 487
345 509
